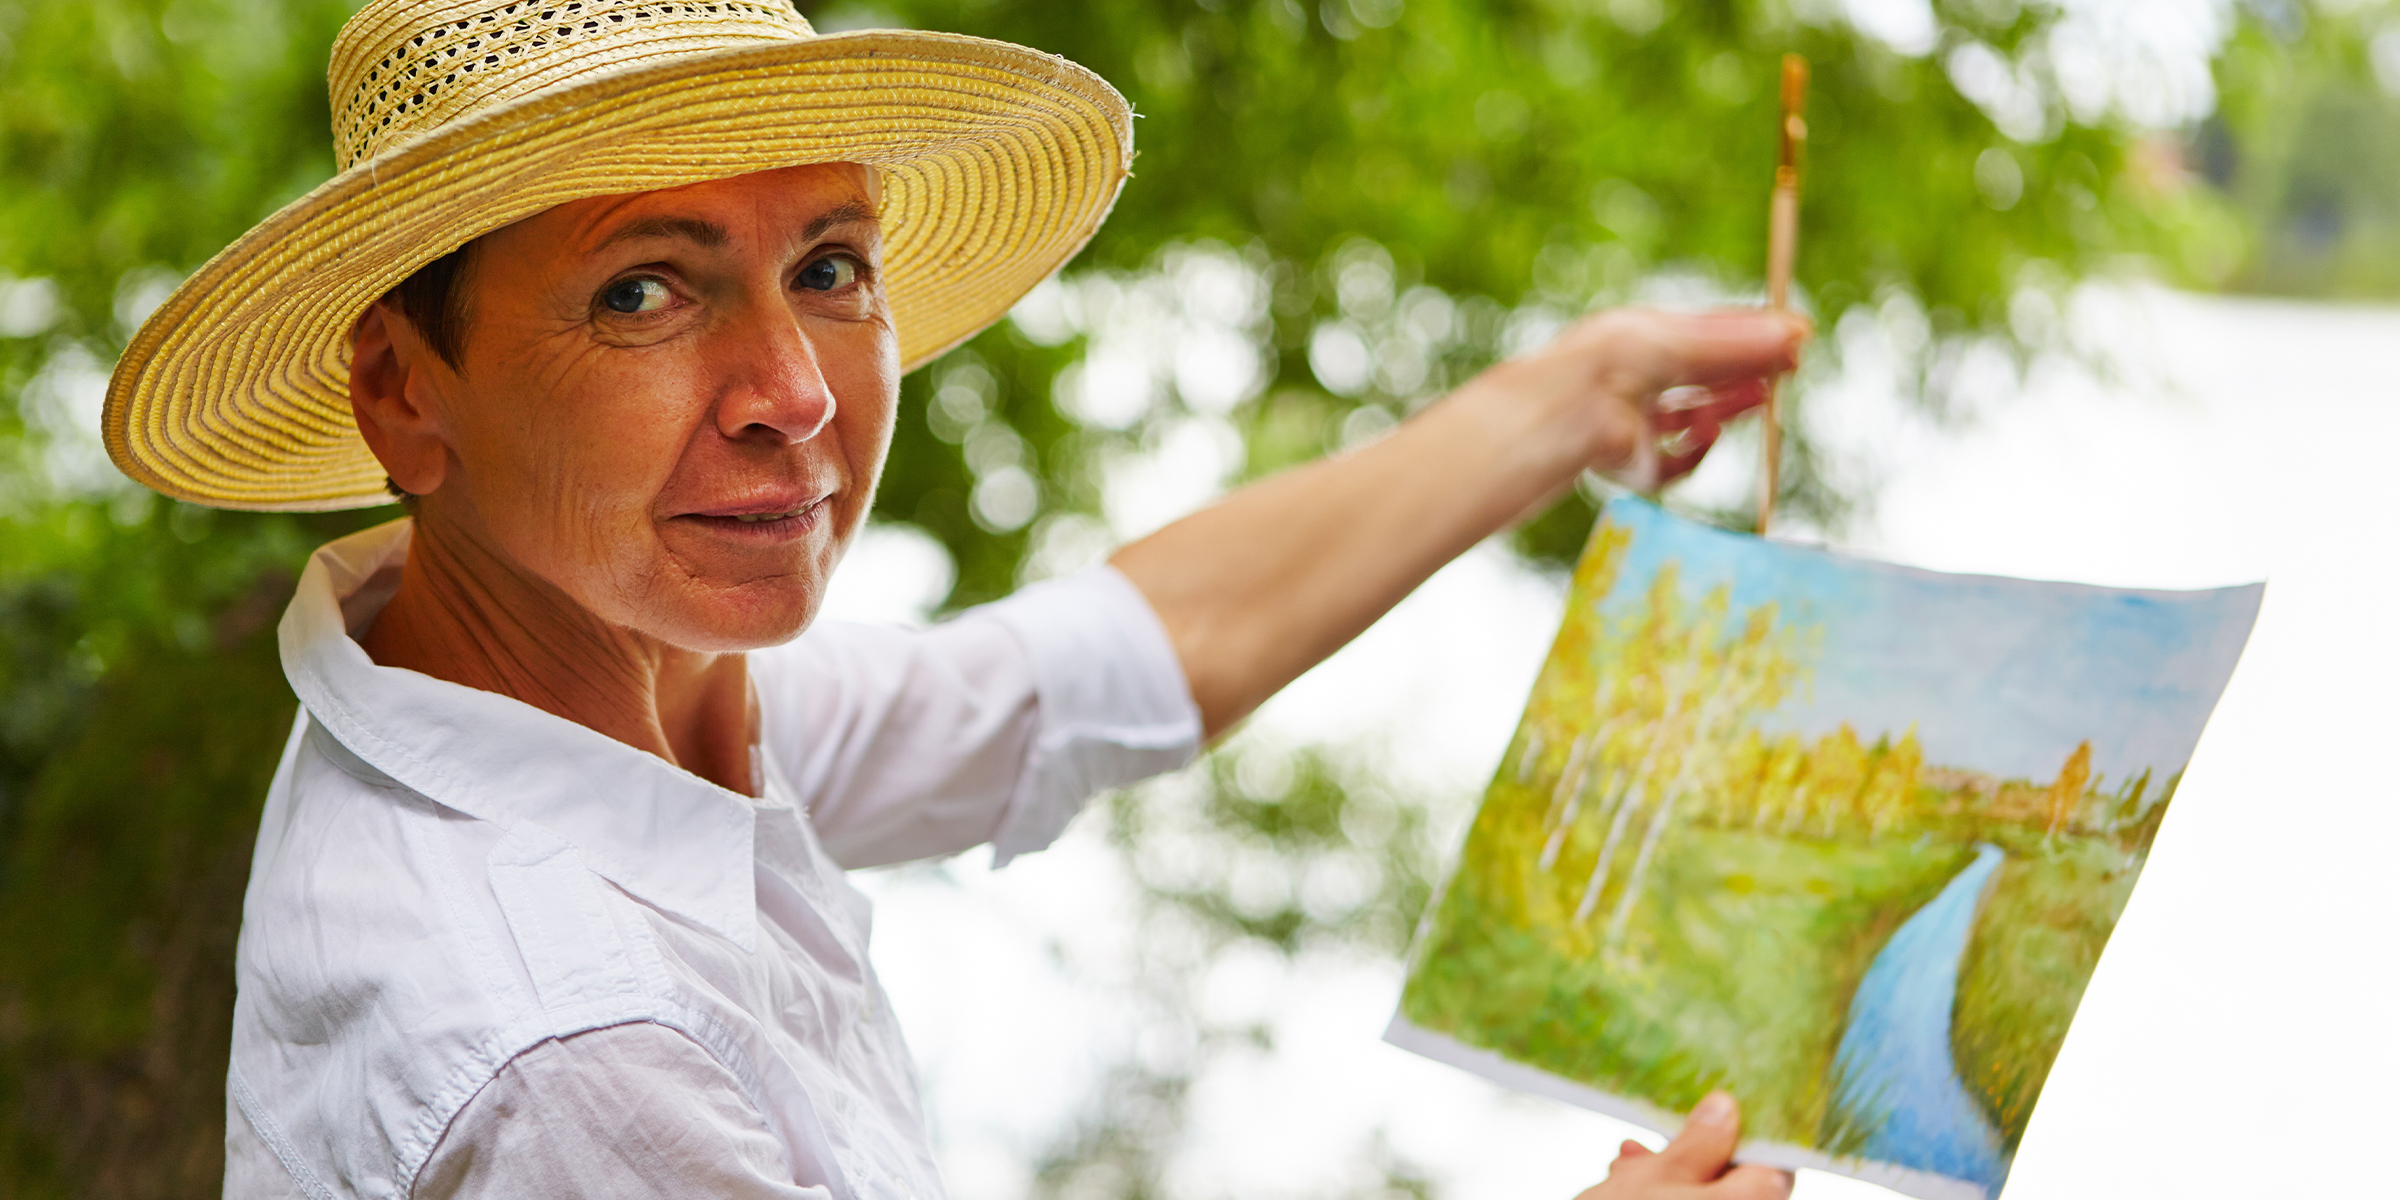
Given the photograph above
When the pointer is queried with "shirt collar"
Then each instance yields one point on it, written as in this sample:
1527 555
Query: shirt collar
666 836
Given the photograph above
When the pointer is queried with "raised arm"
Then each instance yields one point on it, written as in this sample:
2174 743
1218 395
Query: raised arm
1268 582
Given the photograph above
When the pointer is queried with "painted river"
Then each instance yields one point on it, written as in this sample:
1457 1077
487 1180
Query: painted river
1894 1072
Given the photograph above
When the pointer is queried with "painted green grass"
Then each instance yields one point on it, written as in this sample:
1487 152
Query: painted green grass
2036 940
1737 970
1743 953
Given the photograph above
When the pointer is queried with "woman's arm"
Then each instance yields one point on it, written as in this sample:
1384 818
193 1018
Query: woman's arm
1271 580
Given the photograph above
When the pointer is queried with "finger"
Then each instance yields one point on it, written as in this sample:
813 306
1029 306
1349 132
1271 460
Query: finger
1681 406
1677 459
1751 1183
1648 351
1737 344
1700 1153
1630 1148
1695 404
1725 401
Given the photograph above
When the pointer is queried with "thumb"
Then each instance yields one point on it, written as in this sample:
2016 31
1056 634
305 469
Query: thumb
1705 1147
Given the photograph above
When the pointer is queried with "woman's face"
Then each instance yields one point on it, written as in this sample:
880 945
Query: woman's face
673 406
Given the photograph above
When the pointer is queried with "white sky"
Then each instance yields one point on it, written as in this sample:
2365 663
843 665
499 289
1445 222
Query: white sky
2238 1037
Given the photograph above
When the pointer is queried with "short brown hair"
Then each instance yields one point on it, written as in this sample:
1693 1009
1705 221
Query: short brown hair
434 300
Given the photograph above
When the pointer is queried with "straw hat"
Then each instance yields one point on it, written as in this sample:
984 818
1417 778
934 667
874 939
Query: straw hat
452 119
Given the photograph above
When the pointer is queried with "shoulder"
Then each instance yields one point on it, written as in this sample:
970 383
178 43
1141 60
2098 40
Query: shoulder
383 978
356 884
1050 637
862 652
844 685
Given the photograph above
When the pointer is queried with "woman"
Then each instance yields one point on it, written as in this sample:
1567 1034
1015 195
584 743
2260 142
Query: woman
547 898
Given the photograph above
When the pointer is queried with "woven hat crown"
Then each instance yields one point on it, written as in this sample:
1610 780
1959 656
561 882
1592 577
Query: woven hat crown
402 67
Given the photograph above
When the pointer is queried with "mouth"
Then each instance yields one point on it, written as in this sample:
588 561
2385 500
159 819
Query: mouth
771 521
755 518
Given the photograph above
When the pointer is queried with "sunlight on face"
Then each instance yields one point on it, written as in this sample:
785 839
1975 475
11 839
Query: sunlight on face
673 406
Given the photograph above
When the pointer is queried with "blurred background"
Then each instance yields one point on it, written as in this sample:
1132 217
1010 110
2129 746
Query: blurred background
2097 286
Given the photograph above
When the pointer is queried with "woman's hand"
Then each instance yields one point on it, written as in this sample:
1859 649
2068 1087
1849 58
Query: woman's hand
1267 582
1638 394
1693 1166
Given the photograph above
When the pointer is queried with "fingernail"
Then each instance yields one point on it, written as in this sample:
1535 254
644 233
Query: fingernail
1717 1109
1783 1183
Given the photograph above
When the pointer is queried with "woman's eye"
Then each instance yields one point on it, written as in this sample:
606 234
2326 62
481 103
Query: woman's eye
831 273
636 296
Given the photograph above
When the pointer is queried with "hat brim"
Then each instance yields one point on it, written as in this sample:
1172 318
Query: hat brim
998 163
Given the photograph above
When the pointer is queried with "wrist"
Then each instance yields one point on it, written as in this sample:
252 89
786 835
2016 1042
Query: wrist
1540 432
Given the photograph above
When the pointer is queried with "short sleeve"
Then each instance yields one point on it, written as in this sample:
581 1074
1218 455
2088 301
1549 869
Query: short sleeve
629 1112
995 726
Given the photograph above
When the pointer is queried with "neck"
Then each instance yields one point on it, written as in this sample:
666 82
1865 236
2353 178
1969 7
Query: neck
467 615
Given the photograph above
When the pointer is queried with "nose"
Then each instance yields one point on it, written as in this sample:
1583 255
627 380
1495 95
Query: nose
775 389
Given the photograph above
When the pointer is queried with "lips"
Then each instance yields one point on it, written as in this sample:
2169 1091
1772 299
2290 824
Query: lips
772 518
755 518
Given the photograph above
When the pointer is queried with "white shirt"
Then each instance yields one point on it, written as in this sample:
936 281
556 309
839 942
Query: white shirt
489 952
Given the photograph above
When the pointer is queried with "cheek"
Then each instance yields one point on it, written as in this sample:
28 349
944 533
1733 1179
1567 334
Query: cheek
579 446
868 383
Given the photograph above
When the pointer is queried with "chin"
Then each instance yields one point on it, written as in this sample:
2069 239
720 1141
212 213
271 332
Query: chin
752 617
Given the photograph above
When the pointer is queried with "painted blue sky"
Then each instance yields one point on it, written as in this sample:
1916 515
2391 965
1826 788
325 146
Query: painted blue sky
1998 675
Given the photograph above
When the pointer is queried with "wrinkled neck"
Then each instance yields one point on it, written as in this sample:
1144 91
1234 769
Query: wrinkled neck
467 614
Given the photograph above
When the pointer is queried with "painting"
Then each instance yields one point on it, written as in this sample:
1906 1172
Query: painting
1841 837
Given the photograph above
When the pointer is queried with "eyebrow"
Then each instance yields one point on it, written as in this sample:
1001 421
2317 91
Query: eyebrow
690 229
846 213
712 235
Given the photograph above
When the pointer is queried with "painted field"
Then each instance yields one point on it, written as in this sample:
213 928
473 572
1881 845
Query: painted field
1844 838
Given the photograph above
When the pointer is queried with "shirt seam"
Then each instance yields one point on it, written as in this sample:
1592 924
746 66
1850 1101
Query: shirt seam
270 1131
676 1018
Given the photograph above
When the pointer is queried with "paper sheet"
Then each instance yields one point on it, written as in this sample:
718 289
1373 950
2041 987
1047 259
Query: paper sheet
1842 837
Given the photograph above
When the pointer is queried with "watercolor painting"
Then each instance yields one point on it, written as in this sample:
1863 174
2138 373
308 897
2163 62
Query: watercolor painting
1845 838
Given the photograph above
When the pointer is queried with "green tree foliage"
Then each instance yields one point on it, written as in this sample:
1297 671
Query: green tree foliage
1370 198
140 700
139 137
1550 155
144 708
2306 143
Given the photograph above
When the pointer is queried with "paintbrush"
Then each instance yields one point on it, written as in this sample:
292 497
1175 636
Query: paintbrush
1783 239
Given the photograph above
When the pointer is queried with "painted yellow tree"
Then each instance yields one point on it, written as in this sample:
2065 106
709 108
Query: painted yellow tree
1745 779
1892 785
1678 686
2066 792
1837 772
1575 673
1783 785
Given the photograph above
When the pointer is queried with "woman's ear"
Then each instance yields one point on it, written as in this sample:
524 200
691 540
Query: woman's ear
392 392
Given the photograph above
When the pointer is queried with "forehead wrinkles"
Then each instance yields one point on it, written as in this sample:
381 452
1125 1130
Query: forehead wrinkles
790 224
704 215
